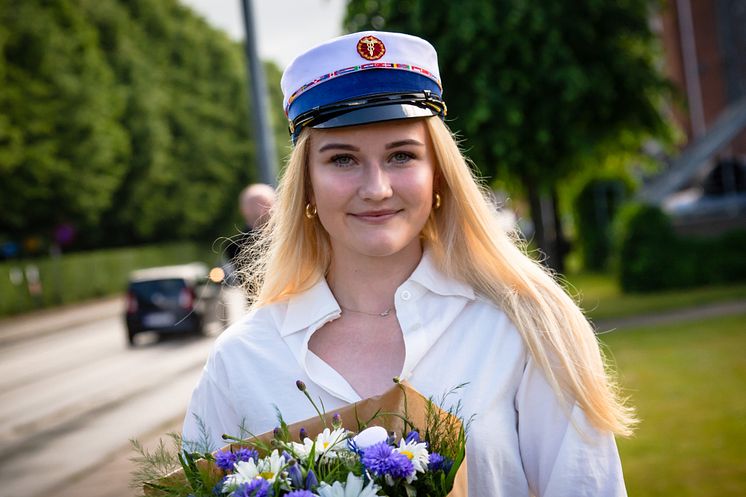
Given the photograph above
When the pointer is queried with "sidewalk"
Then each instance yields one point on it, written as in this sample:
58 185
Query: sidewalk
673 316
45 321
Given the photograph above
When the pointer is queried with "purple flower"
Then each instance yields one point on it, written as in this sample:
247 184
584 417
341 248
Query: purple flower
303 434
381 459
300 493
438 462
245 454
258 487
225 459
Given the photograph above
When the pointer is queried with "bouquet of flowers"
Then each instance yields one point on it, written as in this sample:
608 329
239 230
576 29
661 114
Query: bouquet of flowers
398 444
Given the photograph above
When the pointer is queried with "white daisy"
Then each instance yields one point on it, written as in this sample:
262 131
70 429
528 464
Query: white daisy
327 444
267 468
352 488
417 453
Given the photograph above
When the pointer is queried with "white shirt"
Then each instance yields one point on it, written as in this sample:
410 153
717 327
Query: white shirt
520 443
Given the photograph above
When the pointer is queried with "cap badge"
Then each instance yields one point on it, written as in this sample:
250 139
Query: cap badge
370 48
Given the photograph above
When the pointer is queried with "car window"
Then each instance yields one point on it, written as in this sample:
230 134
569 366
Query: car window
146 290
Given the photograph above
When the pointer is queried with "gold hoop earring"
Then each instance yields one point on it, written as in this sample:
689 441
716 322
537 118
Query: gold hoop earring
310 211
436 204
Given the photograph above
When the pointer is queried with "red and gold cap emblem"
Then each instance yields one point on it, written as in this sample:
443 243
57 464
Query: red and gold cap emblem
370 48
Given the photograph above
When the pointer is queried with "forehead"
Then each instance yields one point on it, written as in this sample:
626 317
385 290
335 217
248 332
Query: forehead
371 134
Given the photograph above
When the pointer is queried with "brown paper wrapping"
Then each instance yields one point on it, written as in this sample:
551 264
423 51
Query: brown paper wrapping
392 401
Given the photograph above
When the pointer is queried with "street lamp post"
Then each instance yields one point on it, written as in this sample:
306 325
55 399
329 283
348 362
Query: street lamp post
266 160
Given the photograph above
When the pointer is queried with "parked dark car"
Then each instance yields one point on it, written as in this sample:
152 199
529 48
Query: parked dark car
171 300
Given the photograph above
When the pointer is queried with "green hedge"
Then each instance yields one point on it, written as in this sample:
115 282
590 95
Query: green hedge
651 256
86 275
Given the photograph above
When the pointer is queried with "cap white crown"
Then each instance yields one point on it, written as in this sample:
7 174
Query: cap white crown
324 60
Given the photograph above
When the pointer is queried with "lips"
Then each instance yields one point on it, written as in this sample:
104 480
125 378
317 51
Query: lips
375 217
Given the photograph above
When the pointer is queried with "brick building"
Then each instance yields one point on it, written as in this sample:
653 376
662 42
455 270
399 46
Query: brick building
704 43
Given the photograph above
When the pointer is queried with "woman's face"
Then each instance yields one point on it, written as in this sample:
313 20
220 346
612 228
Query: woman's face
372 185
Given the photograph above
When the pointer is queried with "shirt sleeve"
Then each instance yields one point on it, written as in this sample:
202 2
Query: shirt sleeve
563 458
210 414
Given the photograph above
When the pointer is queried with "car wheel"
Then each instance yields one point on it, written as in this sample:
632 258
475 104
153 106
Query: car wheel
131 338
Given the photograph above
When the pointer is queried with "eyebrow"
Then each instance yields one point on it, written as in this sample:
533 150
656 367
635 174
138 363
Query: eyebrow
401 143
338 146
346 146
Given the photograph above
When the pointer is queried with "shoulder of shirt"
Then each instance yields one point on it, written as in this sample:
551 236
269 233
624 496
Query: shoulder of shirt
258 324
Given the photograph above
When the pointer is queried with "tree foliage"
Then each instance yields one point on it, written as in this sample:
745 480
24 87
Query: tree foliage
128 119
533 86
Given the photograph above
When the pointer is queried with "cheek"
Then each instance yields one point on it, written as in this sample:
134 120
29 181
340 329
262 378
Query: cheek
419 189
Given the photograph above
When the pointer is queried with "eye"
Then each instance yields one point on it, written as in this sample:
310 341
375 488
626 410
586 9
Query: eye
342 160
401 157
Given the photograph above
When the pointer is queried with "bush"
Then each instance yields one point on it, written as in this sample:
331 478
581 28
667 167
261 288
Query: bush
650 256
595 208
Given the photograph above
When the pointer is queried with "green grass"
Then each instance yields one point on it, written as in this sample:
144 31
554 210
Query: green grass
688 382
601 298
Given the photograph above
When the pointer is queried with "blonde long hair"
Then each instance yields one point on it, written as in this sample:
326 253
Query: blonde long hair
468 244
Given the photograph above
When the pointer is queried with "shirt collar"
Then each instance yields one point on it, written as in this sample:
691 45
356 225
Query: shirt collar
318 303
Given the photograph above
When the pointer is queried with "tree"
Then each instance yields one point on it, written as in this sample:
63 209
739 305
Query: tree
126 118
62 146
535 86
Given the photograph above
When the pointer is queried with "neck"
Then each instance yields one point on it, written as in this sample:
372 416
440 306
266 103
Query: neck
368 284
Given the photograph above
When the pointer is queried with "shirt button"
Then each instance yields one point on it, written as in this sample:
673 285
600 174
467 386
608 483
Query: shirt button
405 295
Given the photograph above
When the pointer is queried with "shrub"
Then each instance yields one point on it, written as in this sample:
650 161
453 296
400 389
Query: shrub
595 208
650 256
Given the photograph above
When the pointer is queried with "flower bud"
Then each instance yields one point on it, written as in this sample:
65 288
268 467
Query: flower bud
311 480
301 386
303 434
296 477
412 436
337 421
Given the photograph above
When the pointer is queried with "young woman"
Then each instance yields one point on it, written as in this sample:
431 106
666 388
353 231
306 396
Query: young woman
383 257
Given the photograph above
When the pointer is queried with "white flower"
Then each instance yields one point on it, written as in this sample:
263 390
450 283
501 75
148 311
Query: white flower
353 488
327 444
246 471
370 436
417 453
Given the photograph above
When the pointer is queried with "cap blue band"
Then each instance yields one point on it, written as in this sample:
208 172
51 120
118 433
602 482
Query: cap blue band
361 84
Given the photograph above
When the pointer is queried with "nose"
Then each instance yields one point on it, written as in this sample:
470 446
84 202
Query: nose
375 184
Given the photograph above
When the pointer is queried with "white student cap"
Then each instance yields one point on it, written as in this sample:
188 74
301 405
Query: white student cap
362 78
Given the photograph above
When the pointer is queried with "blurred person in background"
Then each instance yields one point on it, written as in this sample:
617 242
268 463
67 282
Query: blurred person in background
254 203
384 257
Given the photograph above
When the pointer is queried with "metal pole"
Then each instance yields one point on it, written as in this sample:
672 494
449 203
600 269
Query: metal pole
265 145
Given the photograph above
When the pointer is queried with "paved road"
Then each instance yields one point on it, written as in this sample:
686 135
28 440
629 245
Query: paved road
71 397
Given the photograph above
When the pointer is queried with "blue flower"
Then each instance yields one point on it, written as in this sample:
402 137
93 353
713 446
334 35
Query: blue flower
217 490
381 460
438 462
225 460
256 488
246 454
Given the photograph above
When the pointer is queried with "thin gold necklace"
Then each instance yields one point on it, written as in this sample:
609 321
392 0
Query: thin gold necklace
374 314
